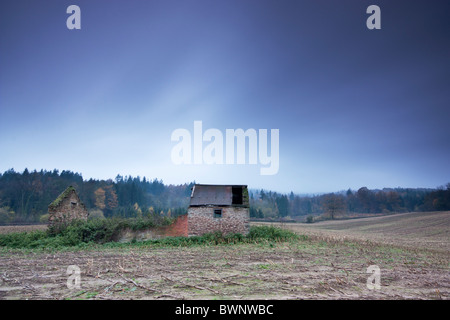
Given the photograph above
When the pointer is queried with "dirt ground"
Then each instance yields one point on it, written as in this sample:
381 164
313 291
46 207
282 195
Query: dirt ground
323 266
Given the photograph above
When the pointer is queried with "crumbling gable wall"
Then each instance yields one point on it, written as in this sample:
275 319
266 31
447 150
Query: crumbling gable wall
66 208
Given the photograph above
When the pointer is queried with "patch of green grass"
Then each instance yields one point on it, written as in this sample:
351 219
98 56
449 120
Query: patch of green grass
103 232
90 295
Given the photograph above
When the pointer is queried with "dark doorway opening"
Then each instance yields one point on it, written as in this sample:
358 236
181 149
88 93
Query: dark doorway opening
237 195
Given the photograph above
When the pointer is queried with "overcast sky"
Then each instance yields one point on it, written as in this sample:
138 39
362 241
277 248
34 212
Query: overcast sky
354 107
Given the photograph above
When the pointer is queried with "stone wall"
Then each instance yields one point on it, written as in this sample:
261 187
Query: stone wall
201 220
68 209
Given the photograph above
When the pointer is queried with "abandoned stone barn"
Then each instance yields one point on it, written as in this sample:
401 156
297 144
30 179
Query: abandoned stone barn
223 208
66 208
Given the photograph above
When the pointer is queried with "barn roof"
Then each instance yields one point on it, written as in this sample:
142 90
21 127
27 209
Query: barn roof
217 195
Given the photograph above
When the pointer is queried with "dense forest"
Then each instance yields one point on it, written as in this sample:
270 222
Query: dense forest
268 204
25 196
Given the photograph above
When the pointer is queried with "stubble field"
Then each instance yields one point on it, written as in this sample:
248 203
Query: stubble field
329 262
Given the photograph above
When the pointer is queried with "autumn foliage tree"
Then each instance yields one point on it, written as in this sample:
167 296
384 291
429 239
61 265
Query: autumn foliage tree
100 198
333 204
111 201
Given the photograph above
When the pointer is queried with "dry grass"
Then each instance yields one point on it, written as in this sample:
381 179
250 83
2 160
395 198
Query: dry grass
299 270
424 230
25 228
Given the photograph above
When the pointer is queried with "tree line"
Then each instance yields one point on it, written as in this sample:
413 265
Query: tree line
268 204
25 196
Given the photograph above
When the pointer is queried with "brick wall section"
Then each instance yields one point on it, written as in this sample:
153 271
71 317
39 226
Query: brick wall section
69 209
179 228
201 220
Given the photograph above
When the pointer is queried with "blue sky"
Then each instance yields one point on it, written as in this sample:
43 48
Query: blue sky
354 107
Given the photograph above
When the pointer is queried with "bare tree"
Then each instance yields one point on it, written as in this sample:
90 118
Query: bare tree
333 204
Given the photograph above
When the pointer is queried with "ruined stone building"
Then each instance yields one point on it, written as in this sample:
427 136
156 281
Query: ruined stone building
222 208
212 208
66 208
